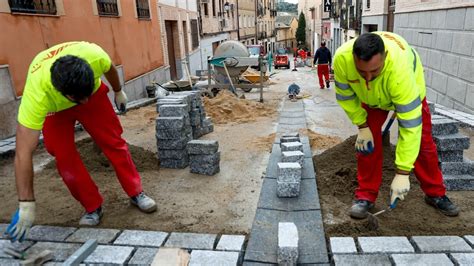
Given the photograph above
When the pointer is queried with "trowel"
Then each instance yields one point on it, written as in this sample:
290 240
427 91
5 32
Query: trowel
373 221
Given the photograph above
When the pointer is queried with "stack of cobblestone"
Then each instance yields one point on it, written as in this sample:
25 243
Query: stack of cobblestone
204 157
458 172
290 167
201 124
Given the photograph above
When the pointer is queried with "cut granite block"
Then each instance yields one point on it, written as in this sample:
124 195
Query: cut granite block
143 256
141 238
231 243
288 189
289 172
173 154
175 164
361 260
103 236
195 117
186 132
172 144
436 117
380 244
185 98
61 251
293 157
205 158
203 146
207 169
451 142
457 168
450 156
174 110
165 101
191 241
208 257
105 254
197 132
289 139
291 146
444 127
441 244
463 258
342 245
421 259
50 233
287 244
171 122
459 182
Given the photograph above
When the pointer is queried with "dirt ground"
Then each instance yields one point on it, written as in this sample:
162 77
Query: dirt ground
336 185
224 203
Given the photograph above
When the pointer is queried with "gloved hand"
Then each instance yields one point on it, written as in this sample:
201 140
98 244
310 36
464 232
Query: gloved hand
365 141
22 221
399 188
121 101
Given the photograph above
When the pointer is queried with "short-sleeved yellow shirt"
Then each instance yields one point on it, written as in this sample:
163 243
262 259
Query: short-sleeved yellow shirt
40 97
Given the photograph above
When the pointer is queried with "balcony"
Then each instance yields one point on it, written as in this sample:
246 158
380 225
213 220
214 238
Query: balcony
33 7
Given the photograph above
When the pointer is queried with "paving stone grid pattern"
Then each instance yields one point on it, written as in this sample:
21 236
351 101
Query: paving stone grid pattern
125 247
304 211
400 250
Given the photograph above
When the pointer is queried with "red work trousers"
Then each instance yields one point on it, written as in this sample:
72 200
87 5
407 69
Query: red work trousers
100 121
369 167
323 70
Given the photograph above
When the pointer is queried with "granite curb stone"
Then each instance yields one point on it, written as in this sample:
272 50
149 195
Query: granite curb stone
174 110
421 259
459 182
289 172
203 146
207 257
360 260
451 142
286 189
171 122
342 245
444 127
293 157
463 258
231 243
451 156
143 256
291 146
470 239
287 244
457 168
50 233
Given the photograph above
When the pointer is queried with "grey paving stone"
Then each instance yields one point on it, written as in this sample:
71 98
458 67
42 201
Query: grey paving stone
444 127
141 238
342 245
450 156
173 154
459 182
362 260
282 128
263 244
207 257
171 122
175 164
203 146
103 236
50 233
231 243
109 255
457 168
289 172
61 251
172 144
302 139
470 239
293 157
451 142
143 256
441 244
17 246
391 244
186 132
286 114
291 146
421 259
287 244
288 189
174 110
308 198
463 259
191 241
292 121
211 159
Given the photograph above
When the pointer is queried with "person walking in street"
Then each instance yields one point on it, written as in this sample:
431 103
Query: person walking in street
64 86
376 73
322 58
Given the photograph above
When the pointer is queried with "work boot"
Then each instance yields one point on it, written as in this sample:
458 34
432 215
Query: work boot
91 218
327 84
322 88
143 202
443 204
360 209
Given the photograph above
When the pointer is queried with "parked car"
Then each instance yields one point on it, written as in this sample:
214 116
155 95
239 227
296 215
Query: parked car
256 50
281 59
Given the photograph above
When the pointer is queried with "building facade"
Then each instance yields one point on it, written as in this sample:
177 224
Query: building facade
443 34
286 32
180 37
375 15
266 16
218 21
128 31
246 13
313 12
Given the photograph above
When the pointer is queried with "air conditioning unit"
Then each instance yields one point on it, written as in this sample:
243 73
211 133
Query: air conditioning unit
204 1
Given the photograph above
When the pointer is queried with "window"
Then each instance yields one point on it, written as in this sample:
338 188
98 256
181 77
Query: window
143 9
206 9
368 4
213 8
194 33
107 7
33 6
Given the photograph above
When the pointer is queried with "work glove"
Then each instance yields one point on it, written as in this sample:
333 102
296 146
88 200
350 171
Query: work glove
121 101
22 221
365 141
399 188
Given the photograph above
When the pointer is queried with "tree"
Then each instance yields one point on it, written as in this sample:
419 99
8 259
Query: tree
301 30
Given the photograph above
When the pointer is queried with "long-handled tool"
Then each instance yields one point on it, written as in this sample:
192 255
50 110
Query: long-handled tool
389 124
373 221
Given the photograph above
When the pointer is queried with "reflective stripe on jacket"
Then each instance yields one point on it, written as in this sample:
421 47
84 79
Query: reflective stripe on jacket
400 87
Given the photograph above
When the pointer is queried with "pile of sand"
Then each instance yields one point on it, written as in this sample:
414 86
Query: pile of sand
226 107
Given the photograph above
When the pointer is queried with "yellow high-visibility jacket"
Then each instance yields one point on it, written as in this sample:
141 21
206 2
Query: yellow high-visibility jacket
400 87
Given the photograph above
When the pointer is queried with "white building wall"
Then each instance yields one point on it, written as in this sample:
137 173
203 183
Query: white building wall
206 46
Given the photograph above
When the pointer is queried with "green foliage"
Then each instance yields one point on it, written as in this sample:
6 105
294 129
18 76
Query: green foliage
287 7
301 30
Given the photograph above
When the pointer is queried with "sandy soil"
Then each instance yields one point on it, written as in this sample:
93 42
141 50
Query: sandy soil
224 203
337 182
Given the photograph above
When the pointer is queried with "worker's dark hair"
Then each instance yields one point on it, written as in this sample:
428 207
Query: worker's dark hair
72 76
323 43
368 45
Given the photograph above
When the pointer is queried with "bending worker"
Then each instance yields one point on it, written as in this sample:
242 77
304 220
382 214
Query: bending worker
64 86
376 73
323 58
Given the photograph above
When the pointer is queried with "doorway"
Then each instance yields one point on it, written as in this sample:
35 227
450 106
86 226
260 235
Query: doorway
172 35
390 16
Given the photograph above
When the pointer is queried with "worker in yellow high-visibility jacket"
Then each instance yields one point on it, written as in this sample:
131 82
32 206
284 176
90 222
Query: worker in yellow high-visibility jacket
376 73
